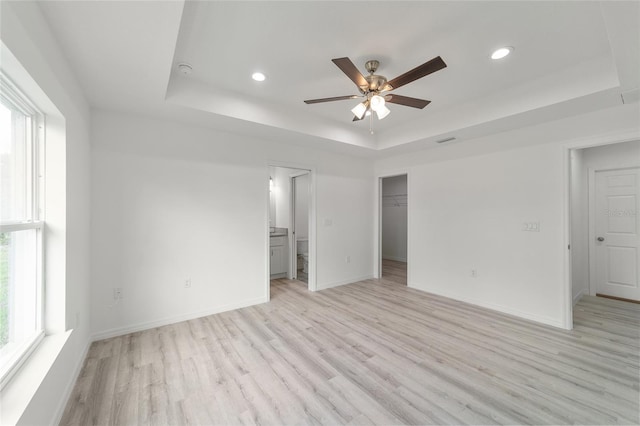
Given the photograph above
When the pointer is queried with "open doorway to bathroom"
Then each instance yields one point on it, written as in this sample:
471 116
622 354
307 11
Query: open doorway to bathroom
290 220
393 229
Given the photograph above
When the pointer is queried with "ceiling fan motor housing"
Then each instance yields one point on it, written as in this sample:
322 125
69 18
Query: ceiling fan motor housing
376 82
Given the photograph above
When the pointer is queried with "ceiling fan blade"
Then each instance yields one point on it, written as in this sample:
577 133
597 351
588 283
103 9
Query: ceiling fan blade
336 98
358 119
436 64
351 71
406 101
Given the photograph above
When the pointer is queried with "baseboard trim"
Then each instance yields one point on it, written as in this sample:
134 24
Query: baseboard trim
343 282
121 331
622 299
578 296
71 384
541 319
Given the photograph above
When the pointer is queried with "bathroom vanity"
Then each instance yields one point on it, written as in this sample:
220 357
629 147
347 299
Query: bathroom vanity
279 249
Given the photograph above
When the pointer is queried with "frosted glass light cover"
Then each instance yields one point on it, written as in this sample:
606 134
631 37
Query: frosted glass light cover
377 102
382 112
359 110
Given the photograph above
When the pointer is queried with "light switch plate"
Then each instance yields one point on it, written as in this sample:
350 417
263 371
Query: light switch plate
531 226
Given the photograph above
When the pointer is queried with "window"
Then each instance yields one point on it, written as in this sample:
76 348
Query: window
21 228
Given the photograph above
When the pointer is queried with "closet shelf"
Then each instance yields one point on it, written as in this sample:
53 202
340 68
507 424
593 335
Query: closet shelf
394 200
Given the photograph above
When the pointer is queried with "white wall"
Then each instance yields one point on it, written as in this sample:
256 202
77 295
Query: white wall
604 157
272 197
282 193
612 156
394 218
173 201
468 201
41 400
469 214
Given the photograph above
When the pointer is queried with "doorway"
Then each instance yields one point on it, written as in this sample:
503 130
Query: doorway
291 251
605 225
300 226
393 229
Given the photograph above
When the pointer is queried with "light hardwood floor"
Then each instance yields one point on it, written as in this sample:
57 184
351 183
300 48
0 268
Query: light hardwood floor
372 352
394 271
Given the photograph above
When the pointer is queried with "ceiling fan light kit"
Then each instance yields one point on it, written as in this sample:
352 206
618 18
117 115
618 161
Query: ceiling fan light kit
382 112
373 102
377 101
360 109
374 87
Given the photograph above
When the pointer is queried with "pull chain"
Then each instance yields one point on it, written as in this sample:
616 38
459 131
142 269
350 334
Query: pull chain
371 122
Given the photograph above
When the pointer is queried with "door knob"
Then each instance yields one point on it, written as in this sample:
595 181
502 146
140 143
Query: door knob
601 239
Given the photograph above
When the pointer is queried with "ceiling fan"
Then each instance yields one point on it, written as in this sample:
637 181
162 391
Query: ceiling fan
374 88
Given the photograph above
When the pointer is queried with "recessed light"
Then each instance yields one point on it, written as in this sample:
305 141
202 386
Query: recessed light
502 52
258 76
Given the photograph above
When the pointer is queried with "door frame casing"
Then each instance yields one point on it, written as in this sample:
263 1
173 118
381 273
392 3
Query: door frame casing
293 259
593 285
378 224
312 284
567 147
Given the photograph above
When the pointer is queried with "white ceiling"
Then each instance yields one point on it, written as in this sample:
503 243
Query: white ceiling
569 57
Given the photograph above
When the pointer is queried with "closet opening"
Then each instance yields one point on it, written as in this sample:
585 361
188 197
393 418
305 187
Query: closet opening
393 229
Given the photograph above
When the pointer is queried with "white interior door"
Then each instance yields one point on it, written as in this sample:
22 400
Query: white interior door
617 241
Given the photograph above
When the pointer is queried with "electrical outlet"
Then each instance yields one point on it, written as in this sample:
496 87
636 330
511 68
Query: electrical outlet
117 293
187 283
474 273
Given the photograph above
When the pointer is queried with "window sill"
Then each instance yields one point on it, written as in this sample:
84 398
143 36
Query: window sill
17 394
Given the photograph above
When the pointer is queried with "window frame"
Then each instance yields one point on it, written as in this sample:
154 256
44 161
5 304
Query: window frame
13 98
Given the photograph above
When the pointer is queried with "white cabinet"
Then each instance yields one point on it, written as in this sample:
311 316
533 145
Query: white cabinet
278 262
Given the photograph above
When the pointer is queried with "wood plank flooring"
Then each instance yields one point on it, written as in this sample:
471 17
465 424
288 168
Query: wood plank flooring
372 352
394 271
